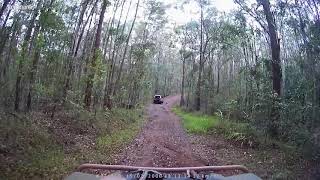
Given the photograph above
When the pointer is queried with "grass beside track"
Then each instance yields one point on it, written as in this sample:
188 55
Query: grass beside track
122 133
204 124
35 152
241 133
196 123
284 159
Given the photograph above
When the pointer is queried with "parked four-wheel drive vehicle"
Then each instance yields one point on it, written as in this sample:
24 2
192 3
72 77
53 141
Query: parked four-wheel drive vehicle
157 99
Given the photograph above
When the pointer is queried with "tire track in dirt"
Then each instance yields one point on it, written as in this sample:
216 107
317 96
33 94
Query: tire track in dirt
162 141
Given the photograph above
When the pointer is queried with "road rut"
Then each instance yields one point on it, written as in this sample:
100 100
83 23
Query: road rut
162 141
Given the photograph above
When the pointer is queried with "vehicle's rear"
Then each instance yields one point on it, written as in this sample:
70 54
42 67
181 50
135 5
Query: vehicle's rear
157 99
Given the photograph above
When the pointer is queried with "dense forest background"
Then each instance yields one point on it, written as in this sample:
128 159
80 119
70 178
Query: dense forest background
62 52
258 64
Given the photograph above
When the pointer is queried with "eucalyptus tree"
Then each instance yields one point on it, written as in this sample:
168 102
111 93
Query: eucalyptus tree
3 7
125 49
96 53
50 25
23 58
118 54
76 39
181 33
269 25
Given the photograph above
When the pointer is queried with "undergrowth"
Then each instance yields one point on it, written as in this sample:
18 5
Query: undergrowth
241 133
205 124
28 150
121 132
193 123
31 150
246 136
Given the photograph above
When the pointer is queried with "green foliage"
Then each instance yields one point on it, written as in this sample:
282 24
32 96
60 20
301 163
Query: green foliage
242 133
156 12
255 111
38 155
40 41
50 20
108 144
43 163
196 123
41 155
122 126
100 68
315 37
44 91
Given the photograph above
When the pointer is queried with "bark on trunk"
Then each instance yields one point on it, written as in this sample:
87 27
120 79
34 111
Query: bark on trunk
126 49
108 32
182 102
89 86
110 79
12 46
71 55
23 58
276 65
3 8
218 79
32 75
199 84
275 47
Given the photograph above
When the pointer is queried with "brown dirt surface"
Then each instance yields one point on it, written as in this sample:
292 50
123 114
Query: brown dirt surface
162 141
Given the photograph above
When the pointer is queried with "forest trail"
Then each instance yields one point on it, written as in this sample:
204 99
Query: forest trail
162 141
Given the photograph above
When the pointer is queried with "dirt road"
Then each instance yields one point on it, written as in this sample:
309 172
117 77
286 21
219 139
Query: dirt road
162 142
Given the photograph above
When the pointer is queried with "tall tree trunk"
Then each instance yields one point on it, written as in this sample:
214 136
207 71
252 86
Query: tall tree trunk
157 88
275 47
89 86
108 31
276 64
3 8
6 19
12 46
109 84
87 48
84 56
4 31
84 5
182 102
33 72
126 48
199 84
23 58
72 52
83 29
218 67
